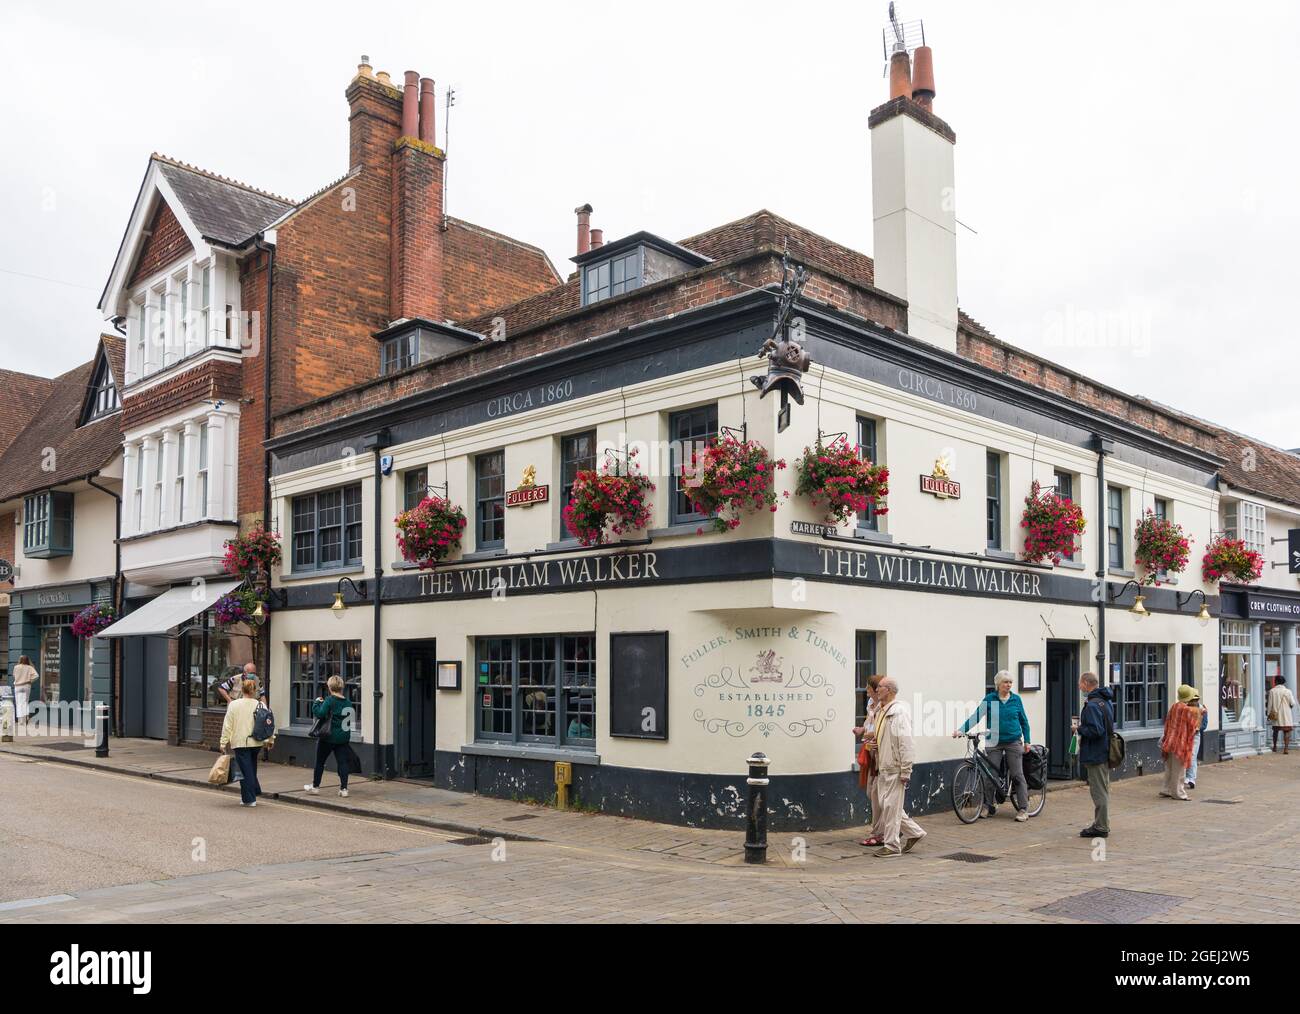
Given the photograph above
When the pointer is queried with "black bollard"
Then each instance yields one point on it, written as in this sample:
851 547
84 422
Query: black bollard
101 730
756 831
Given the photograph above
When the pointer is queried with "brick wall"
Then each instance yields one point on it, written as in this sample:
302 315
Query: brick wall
251 475
995 355
165 243
7 522
483 270
416 249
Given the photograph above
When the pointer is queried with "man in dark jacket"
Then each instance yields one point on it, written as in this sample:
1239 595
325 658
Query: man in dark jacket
1095 725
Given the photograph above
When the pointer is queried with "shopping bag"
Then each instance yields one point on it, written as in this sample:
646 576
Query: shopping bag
220 773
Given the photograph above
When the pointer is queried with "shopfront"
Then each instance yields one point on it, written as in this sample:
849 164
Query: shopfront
73 671
1258 642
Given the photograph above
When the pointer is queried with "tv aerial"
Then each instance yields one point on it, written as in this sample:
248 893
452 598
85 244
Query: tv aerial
900 36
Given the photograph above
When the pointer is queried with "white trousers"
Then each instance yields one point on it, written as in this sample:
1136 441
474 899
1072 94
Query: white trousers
894 825
21 696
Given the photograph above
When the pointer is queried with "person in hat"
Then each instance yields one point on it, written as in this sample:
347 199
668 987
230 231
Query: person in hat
1181 725
1196 746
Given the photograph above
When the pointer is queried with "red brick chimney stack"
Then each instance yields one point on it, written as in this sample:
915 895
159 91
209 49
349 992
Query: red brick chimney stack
584 228
923 78
426 110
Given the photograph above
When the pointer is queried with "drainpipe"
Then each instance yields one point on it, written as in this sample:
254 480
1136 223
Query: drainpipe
376 443
117 598
266 243
1103 447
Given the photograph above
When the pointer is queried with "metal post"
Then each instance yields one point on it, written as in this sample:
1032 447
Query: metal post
756 831
101 730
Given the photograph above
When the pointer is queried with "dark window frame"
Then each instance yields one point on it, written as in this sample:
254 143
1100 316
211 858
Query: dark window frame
489 501
993 483
1065 491
399 353
310 554
869 449
415 487
698 426
572 462
1115 527
866 661
1142 667
610 288
102 399
341 658
48 524
566 678
992 661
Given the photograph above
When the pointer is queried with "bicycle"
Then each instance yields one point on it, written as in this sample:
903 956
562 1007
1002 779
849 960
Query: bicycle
975 781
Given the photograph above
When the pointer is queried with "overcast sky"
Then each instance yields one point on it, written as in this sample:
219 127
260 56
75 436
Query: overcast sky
1126 172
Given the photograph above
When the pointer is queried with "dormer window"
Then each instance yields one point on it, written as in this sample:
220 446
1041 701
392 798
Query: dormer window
101 398
612 277
618 268
405 343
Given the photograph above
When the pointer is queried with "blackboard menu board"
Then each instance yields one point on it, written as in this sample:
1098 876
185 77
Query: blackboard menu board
638 685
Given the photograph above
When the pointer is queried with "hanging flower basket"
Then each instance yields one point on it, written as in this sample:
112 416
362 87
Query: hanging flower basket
1229 558
429 532
91 620
1052 525
837 479
237 607
1161 547
253 553
614 496
733 477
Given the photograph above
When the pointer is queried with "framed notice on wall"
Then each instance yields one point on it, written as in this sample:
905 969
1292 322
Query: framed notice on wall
1031 676
638 685
448 675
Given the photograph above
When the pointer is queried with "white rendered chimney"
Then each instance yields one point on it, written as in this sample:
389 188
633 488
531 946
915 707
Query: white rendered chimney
913 208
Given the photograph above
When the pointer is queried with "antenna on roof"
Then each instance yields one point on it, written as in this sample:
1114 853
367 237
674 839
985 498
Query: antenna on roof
446 150
900 36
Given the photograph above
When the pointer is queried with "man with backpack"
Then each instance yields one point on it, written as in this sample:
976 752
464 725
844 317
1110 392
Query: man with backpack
1096 724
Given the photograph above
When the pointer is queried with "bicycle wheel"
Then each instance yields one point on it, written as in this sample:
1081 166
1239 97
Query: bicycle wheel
1037 799
967 793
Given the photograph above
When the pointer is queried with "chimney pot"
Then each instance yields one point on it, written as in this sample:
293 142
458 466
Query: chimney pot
426 110
363 68
410 98
900 75
597 238
923 77
584 228
384 79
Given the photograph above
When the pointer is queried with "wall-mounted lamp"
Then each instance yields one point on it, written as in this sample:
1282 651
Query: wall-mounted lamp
1138 608
339 606
1203 617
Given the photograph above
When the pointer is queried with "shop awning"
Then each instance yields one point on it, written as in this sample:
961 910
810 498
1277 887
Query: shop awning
170 609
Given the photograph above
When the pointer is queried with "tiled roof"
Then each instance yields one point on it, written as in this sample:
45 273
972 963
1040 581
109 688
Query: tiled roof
24 393
223 210
52 424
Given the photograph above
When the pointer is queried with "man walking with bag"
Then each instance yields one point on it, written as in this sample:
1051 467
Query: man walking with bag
1095 725
895 754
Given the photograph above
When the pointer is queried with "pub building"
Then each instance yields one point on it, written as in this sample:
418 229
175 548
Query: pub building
653 666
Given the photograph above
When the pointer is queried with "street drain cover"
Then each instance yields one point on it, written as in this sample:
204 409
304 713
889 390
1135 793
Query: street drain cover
520 816
1112 905
1224 802
969 857
471 840
63 746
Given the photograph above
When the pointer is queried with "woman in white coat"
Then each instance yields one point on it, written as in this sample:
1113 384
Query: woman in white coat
1281 703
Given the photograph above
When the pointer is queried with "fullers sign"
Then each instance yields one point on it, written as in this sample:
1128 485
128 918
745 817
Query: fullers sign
944 489
526 496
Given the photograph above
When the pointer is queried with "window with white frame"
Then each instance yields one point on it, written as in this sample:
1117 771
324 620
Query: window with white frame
1253 526
1114 527
138 495
181 283
159 446
160 325
141 336
180 478
1234 634
205 304
202 472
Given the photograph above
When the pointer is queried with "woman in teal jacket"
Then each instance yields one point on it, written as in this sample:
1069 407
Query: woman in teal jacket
1008 733
337 738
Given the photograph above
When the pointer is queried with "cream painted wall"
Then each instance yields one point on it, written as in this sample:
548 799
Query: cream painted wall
933 643
94 529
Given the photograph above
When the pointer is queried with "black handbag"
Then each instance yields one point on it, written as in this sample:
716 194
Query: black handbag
321 727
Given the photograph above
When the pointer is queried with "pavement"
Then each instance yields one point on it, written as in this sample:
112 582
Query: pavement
140 836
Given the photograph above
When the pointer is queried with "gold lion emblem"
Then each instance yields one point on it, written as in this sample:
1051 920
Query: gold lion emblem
941 467
530 477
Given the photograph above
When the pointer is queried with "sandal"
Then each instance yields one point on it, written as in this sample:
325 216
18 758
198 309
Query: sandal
867 843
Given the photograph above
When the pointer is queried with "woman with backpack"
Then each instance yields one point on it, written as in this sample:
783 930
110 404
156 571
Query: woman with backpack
237 735
333 731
